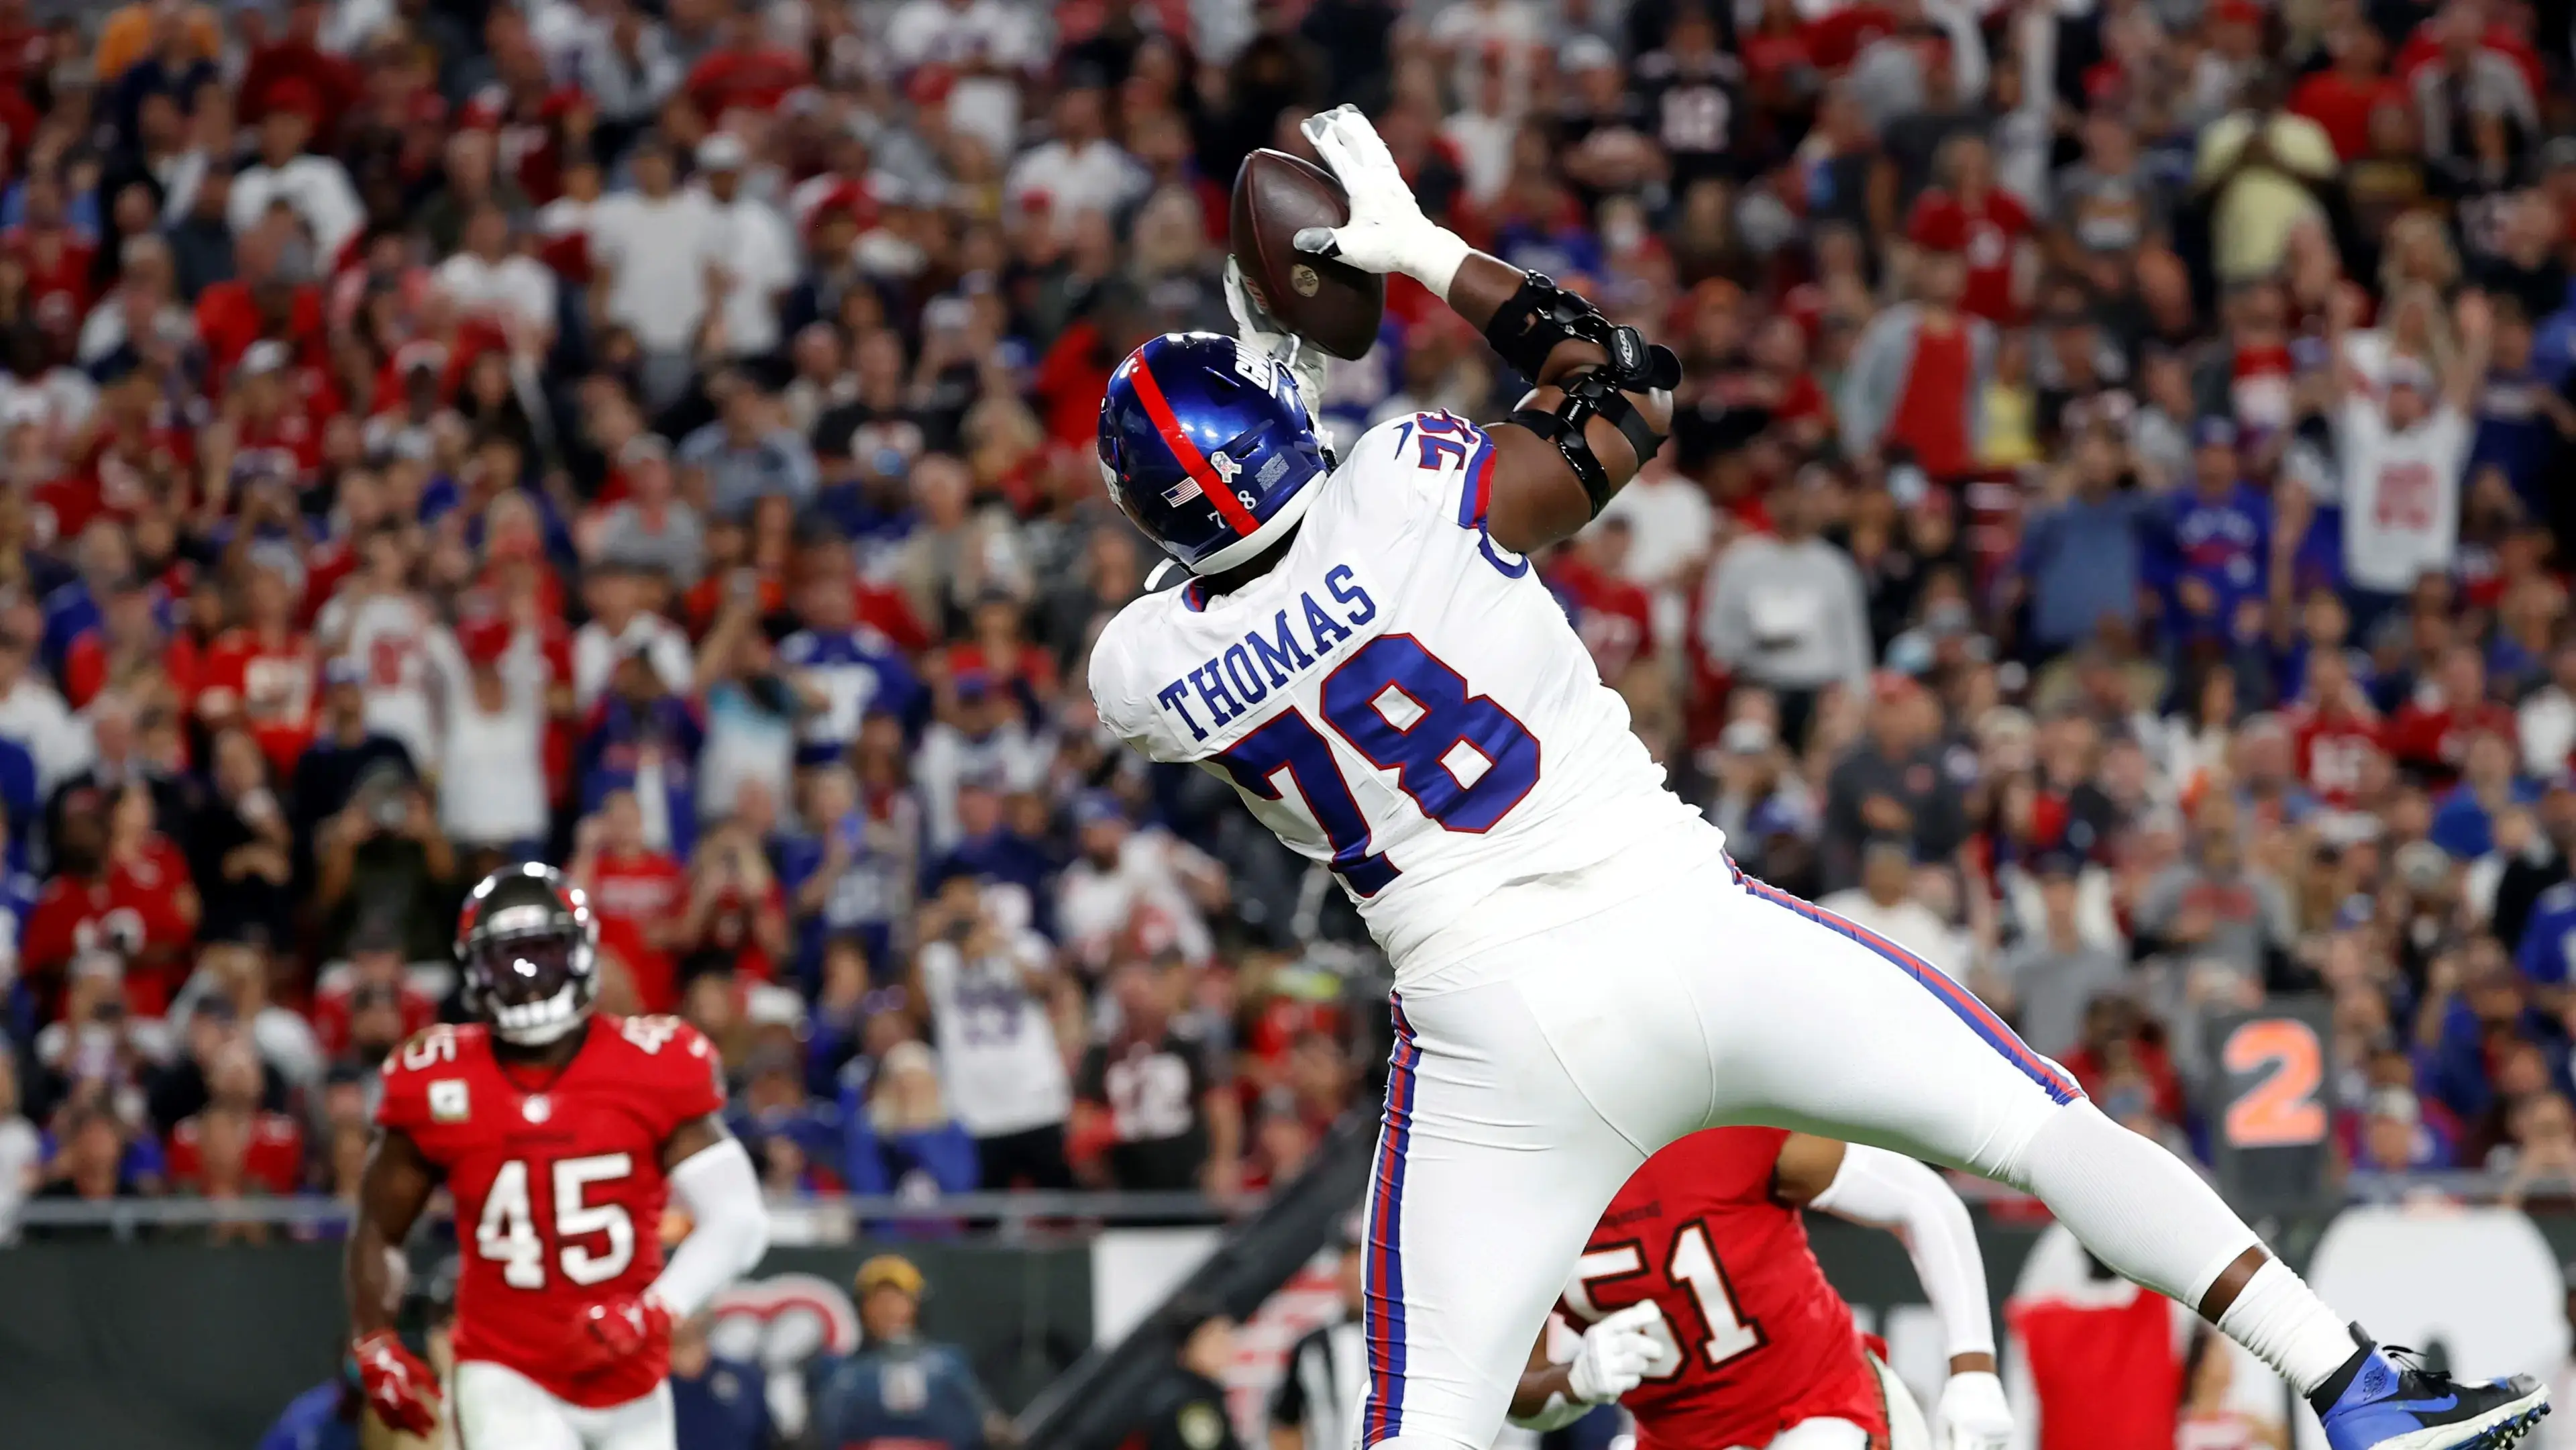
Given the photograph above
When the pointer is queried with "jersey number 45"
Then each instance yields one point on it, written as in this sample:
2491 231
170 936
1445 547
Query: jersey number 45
1462 758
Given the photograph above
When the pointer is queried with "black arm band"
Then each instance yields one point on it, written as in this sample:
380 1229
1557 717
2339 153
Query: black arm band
1587 396
1526 328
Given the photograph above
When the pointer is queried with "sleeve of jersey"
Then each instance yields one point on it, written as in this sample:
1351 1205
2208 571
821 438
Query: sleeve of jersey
403 1103
1127 710
695 1077
1433 467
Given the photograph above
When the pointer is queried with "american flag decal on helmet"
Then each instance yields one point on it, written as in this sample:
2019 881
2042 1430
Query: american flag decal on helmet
1182 492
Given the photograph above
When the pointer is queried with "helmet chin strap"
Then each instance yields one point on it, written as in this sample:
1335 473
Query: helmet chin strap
534 1024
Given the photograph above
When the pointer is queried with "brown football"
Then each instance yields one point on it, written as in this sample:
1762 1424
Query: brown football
1333 305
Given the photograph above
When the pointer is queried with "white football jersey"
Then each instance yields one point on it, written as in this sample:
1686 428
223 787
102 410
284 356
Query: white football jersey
1400 698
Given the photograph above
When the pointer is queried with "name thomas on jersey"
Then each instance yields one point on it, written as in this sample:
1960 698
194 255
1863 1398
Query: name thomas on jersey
1231 683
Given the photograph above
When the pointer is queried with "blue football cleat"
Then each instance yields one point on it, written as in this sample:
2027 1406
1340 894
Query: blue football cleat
2381 1402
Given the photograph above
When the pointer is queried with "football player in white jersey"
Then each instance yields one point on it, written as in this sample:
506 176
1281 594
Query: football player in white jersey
1582 975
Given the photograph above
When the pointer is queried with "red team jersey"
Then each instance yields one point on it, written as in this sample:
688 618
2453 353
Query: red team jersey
2332 749
559 1188
1760 1341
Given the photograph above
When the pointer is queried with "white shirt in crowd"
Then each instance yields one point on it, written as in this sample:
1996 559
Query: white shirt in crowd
33 714
595 653
408 656
1069 180
751 243
2545 724
1009 755
981 33
493 789
656 254
998 1059
20 1151
2401 493
1909 923
515 287
1094 907
317 187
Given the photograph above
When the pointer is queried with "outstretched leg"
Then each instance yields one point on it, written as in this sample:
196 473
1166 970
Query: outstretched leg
1816 1024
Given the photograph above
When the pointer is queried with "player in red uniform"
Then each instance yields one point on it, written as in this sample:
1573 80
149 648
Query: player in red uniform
1712 1322
560 1135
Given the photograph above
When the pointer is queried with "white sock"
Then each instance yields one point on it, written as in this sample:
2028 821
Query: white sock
2288 1327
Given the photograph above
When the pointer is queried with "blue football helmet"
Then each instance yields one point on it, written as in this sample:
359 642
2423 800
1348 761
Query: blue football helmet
1207 446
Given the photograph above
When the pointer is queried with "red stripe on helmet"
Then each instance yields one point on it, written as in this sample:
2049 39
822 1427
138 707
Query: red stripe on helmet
1159 410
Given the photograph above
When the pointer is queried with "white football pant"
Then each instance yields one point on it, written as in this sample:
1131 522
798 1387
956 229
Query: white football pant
497 1408
1530 1080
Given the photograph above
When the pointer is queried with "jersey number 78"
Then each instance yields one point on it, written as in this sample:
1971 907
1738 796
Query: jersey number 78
1461 757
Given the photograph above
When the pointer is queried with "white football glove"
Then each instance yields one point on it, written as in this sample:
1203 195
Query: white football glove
1615 1355
1387 231
1258 330
1972 1414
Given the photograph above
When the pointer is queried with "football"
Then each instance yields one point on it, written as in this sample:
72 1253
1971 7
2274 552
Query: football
1333 305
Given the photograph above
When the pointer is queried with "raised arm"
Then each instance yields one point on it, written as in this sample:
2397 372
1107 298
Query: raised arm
1889 1191
1604 394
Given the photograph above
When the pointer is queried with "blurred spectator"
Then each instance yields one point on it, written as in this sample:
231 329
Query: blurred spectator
1885 903
1152 1109
906 1141
2054 973
987 991
88 1167
716 1404
1787 613
21 1150
233 1147
900 1385
1188 1410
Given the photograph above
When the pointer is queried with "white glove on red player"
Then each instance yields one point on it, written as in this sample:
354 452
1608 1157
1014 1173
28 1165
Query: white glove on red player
1972 1414
1615 1355
1259 331
1387 231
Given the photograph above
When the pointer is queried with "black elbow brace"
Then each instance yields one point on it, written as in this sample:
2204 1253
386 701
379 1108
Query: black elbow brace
1527 328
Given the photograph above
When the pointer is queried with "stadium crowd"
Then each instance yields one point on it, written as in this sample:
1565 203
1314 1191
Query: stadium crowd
2112 539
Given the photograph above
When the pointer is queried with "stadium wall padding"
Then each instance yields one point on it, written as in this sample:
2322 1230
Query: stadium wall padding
177 1347
163 1346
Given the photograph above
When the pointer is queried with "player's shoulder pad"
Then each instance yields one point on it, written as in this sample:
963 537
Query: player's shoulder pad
1426 454
441 1044
1112 670
664 1040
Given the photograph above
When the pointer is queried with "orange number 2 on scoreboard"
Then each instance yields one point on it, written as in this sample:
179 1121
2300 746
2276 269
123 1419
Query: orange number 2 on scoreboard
2281 1110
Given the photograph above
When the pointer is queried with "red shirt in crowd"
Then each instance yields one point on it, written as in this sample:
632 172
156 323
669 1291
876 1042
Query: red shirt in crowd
86 663
1931 414
271 682
2333 745
228 322
2342 104
134 910
2432 735
631 895
2102 1365
756 79
59 277
272 1160
331 1012
1990 230
1614 617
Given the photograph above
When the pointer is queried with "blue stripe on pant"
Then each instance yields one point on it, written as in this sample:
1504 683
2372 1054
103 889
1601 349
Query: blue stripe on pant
1384 1271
